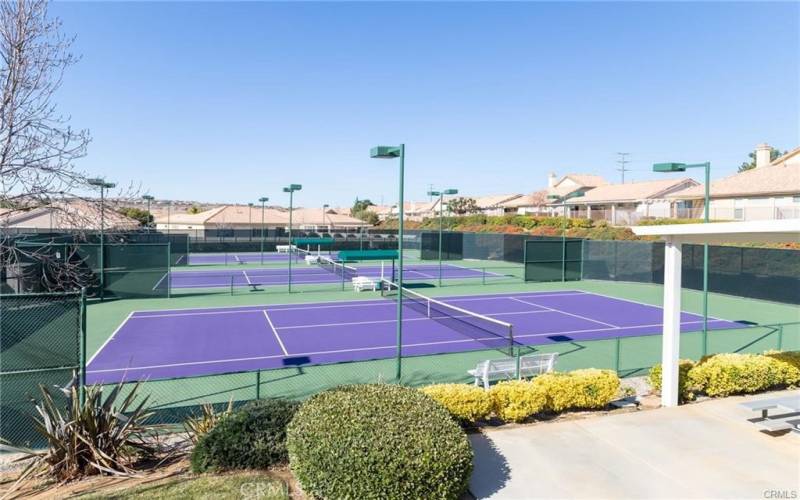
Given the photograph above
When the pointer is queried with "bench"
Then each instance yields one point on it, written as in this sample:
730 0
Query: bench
361 283
506 368
283 248
790 420
312 259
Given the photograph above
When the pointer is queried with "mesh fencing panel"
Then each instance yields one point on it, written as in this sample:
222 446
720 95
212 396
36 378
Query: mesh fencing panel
40 343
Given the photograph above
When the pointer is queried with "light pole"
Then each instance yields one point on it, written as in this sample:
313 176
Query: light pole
681 167
103 185
148 198
389 152
291 189
263 200
250 222
563 206
441 194
169 216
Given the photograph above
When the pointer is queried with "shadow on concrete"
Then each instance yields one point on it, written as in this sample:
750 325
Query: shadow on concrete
491 471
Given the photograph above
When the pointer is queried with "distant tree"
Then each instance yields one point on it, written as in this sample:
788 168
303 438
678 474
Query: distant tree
749 165
142 216
463 206
194 209
360 206
367 216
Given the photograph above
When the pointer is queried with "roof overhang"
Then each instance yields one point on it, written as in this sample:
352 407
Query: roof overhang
763 231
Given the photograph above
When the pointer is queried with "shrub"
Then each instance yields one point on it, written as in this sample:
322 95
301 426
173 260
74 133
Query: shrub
105 434
587 389
516 400
685 389
378 441
253 437
197 426
726 374
789 365
466 403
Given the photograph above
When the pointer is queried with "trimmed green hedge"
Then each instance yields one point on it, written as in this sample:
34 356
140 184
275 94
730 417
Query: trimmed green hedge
378 441
253 437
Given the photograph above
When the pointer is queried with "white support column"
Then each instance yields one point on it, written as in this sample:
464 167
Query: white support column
671 335
589 212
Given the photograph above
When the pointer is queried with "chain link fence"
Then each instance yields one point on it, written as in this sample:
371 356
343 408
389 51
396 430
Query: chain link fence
41 339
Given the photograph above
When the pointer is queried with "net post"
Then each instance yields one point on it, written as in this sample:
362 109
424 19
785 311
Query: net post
258 384
82 379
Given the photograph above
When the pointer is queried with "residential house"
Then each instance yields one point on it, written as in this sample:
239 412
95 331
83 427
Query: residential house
626 204
495 204
771 190
535 203
572 184
70 215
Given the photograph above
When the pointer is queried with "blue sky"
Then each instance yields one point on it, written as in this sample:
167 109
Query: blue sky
228 102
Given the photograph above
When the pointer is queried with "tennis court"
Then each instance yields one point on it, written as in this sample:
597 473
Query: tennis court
200 259
190 342
314 275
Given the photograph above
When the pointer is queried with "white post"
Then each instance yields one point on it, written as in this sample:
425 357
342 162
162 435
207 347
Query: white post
613 214
671 335
589 212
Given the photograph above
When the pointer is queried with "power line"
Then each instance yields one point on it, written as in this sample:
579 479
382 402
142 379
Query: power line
622 162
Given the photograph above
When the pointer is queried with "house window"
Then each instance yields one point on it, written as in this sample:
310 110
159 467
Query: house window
738 213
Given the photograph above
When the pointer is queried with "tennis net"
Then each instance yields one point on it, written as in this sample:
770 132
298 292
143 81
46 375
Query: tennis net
337 268
489 331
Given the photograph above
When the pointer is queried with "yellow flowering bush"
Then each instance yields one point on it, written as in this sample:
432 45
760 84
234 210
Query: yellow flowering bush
466 403
788 364
580 389
685 390
516 400
726 374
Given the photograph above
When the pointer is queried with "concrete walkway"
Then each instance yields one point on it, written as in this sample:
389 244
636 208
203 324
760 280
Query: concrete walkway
704 450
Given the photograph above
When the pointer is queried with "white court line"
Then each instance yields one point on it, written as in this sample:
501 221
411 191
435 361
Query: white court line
393 320
236 256
565 312
159 281
128 317
247 278
409 271
180 259
393 346
654 305
283 347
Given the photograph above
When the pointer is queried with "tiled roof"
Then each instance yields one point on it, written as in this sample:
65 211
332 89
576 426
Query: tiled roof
493 201
779 178
634 191
587 180
535 199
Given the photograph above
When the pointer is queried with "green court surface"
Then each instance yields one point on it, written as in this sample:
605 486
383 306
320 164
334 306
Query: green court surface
631 356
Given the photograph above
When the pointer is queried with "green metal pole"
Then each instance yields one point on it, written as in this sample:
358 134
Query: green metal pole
258 384
169 269
705 258
564 244
441 200
401 209
82 380
291 193
780 337
262 235
102 241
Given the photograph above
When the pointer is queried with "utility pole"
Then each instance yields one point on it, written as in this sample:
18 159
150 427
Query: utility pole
623 160
430 190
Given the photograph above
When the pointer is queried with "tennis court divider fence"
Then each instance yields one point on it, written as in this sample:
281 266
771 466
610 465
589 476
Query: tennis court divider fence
43 343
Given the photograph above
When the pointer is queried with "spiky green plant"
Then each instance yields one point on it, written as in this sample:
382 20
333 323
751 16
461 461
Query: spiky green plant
197 426
105 434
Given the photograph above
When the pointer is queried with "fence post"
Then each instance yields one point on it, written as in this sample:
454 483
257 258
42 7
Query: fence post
483 276
231 284
780 337
616 357
82 379
169 269
258 384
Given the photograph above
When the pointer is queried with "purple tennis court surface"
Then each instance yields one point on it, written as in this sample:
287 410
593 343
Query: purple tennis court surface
303 274
181 343
244 258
